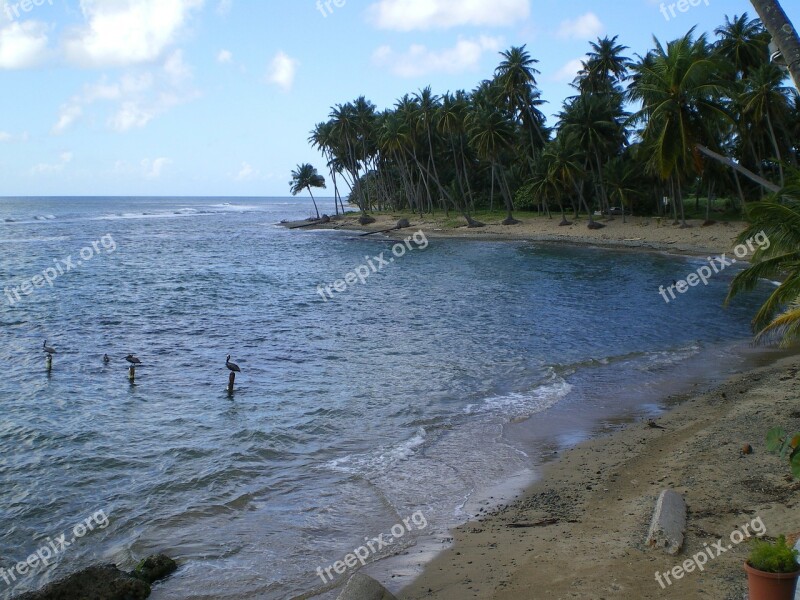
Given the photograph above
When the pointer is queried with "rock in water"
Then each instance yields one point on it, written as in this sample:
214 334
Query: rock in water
94 583
153 568
107 582
362 587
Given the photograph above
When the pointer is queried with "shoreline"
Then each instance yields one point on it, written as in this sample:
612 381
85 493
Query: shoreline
579 530
639 233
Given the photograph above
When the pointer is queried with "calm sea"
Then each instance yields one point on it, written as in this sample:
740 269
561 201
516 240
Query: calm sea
414 392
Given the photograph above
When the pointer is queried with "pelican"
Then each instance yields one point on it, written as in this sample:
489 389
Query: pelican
133 360
232 366
106 359
47 350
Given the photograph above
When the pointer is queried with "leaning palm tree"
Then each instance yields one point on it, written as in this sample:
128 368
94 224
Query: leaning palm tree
778 219
305 177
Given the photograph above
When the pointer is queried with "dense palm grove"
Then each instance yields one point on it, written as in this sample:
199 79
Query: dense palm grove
638 135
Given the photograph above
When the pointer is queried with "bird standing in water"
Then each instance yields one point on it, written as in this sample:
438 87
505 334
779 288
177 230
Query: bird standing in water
133 360
47 350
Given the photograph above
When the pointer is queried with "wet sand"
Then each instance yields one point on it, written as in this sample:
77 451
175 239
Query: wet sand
580 531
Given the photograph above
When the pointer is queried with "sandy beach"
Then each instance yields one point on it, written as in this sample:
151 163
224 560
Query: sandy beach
580 531
646 233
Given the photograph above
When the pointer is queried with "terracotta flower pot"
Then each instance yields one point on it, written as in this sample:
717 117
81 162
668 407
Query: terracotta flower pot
770 586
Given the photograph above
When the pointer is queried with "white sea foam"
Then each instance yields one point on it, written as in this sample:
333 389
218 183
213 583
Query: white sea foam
379 460
518 405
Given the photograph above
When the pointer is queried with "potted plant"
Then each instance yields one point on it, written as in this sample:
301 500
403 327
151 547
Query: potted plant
772 570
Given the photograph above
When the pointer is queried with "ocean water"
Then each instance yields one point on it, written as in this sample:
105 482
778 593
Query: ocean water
413 394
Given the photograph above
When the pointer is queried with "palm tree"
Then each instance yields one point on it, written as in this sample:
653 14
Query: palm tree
767 101
742 43
594 123
516 82
305 177
778 219
323 139
491 133
680 91
606 67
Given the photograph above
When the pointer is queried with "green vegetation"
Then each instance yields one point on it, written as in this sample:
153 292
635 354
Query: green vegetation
774 558
637 131
780 442
778 217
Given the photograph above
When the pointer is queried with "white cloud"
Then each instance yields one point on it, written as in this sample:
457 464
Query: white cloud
408 15
583 28
176 69
246 172
136 98
23 45
419 60
68 114
144 169
225 57
126 32
224 7
44 168
568 72
152 169
282 71
7 138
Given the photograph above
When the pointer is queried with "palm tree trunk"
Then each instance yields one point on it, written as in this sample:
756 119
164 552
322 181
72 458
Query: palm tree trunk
314 201
684 225
777 149
783 33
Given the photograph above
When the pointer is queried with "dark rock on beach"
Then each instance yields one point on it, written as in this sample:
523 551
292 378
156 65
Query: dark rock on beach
365 220
403 224
107 582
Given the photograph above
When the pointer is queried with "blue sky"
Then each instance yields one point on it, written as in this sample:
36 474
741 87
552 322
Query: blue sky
217 97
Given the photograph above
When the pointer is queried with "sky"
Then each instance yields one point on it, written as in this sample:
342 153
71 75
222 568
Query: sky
217 97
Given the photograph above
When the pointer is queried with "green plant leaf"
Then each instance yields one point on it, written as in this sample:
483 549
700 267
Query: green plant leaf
775 439
796 463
